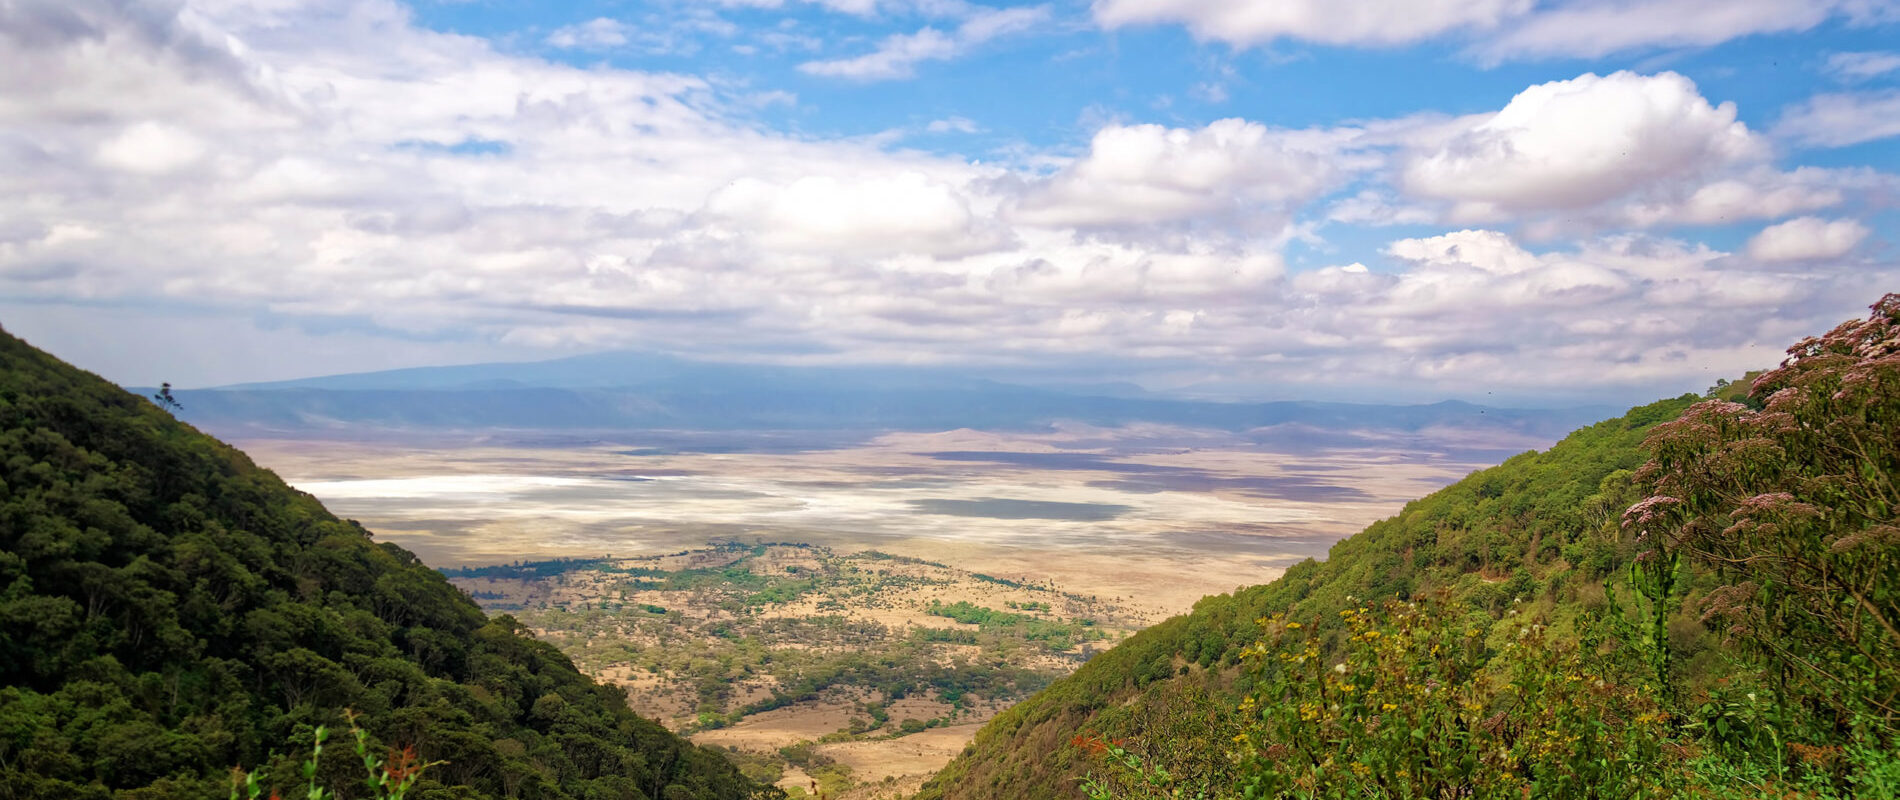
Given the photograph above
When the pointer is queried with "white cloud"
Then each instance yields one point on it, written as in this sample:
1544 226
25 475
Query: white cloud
151 148
1238 172
1806 239
863 8
1592 154
875 215
345 178
954 125
599 32
1355 22
1496 30
1577 143
1863 65
1593 28
1757 193
1842 119
676 32
1491 251
897 56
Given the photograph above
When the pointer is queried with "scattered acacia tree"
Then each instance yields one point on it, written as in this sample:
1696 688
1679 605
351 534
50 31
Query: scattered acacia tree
1791 500
165 398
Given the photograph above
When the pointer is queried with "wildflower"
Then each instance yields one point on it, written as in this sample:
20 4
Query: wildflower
1293 626
1340 667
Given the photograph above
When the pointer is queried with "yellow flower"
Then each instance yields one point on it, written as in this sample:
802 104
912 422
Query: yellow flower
1293 625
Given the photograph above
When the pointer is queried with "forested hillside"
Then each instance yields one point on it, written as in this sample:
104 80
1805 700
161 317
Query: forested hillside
1696 599
169 611
1528 529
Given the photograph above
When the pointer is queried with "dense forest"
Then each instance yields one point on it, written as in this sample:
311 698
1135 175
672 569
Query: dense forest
170 612
1697 599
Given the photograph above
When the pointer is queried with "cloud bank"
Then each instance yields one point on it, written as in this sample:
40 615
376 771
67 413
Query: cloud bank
330 175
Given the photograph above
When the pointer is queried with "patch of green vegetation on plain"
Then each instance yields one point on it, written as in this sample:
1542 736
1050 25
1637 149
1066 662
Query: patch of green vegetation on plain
716 630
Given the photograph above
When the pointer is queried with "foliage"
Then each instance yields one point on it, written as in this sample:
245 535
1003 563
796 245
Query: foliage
388 778
168 609
1537 535
1059 635
1419 706
1793 503
1415 705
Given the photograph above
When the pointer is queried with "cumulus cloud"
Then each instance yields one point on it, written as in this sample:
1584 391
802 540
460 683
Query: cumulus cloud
1609 310
1489 251
337 174
151 148
897 56
1576 143
1234 171
1842 119
874 215
1807 239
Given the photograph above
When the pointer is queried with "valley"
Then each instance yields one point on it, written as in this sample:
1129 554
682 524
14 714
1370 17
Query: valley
865 672
843 615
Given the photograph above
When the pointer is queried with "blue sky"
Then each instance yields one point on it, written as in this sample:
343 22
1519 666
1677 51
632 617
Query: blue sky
1545 200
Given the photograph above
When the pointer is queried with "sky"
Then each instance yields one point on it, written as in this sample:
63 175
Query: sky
1538 201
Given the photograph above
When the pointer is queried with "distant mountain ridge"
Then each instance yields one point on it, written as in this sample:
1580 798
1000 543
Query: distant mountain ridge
630 391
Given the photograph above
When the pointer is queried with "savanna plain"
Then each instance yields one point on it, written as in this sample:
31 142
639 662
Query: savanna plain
842 613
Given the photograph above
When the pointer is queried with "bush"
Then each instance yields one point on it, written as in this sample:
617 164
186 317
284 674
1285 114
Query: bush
1415 705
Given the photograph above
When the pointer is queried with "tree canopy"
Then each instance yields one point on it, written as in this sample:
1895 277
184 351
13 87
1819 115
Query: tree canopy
169 611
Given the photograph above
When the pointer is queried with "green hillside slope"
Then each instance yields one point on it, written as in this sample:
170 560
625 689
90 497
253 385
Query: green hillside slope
1699 599
168 611
1524 533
